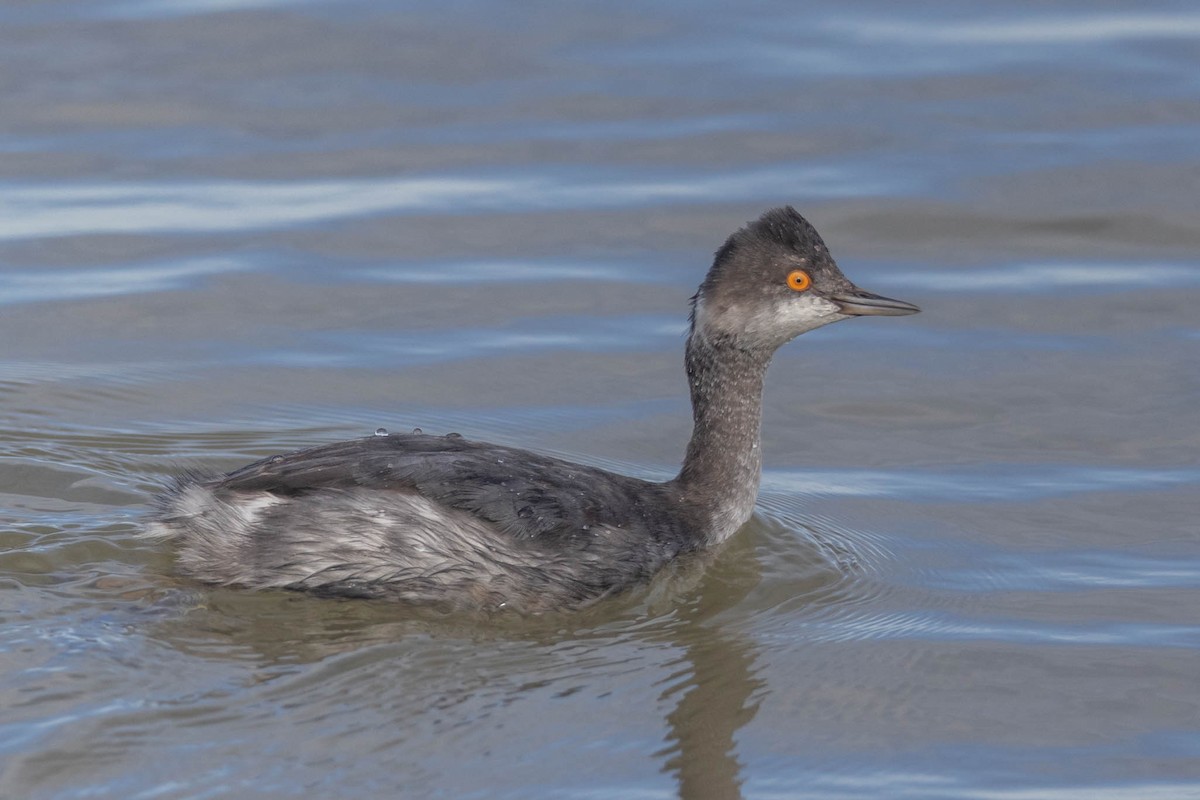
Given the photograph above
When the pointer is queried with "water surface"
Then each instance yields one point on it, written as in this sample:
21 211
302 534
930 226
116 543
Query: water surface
231 228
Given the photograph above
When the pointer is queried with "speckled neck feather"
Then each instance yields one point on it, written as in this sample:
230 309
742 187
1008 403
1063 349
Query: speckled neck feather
723 465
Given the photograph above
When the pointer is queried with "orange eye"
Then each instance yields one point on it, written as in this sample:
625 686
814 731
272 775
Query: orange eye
799 280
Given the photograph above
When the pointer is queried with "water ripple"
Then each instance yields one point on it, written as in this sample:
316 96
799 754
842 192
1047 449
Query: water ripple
148 9
32 286
1023 482
587 334
913 785
458 272
1040 277
929 625
1074 29
1049 571
31 211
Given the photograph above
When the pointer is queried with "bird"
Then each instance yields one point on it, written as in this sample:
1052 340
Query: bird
467 525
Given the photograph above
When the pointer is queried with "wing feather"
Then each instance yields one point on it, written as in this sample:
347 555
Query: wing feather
522 493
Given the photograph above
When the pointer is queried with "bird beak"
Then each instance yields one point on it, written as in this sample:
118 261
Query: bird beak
858 303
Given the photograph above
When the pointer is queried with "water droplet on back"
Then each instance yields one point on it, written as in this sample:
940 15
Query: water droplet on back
454 435
381 432
525 512
276 459
416 430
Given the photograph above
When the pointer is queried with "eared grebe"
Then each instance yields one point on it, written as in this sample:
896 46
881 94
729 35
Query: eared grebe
440 519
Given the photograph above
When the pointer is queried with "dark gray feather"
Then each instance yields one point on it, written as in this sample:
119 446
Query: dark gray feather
524 494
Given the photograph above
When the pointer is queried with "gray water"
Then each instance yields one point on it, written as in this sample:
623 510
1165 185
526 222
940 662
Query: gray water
232 228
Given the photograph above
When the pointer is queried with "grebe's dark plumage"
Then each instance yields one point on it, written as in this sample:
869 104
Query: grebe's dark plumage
442 519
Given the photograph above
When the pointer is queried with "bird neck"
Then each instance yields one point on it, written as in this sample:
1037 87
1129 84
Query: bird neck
723 465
